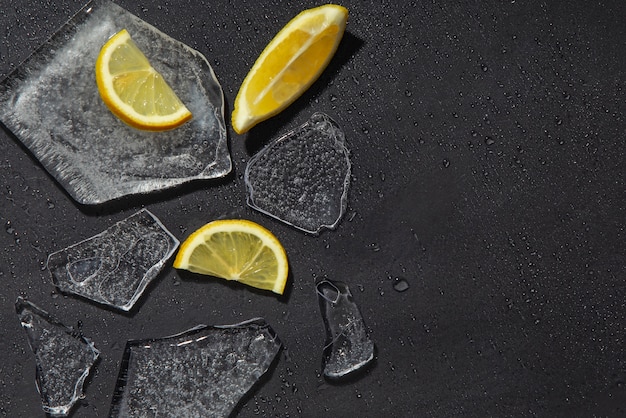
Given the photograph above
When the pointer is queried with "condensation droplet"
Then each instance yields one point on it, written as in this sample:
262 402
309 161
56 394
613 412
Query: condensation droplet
400 285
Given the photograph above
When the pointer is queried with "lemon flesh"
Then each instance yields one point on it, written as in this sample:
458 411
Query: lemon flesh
133 90
289 64
237 250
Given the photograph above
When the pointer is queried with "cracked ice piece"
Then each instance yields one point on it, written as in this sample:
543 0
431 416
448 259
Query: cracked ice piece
302 178
115 266
63 358
202 372
52 105
348 346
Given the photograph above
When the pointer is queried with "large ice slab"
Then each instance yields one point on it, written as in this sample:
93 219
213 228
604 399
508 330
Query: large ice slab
202 372
115 266
302 178
348 345
52 105
63 358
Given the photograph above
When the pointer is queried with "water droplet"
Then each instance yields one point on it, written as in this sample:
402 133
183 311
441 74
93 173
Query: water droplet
400 284
408 93
489 140
484 67
446 163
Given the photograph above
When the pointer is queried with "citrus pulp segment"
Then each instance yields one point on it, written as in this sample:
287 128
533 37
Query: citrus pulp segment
289 64
133 90
238 250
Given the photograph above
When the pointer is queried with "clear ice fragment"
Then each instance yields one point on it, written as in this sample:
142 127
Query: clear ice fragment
52 105
115 266
63 358
348 346
202 372
302 178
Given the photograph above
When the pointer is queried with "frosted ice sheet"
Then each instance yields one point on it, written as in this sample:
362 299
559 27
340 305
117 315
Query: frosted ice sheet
52 105
302 178
348 346
115 266
202 372
63 358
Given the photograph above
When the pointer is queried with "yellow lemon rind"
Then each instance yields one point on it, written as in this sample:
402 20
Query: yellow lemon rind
242 120
122 110
198 238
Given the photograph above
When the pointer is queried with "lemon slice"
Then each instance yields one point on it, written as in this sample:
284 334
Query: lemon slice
238 250
133 90
290 63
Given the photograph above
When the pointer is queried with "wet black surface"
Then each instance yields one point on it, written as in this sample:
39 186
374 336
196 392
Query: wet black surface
488 171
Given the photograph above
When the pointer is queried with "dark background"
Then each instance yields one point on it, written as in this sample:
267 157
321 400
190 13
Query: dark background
488 171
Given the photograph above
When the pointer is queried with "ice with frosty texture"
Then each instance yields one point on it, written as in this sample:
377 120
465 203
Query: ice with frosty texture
52 105
63 358
348 345
203 372
302 178
115 266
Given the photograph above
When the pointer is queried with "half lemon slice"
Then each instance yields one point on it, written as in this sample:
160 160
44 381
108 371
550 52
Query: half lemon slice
133 90
238 250
289 64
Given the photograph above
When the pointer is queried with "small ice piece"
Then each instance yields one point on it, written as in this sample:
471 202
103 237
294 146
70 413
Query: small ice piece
52 105
348 346
115 266
63 358
302 178
202 372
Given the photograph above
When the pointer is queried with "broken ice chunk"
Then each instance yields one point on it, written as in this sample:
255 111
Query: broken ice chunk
115 266
63 358
202 372
302 178
348 346
52 105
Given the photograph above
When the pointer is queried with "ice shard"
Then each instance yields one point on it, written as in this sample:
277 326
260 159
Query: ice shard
203 372
52 105
302 178
348 345
115 266
63 358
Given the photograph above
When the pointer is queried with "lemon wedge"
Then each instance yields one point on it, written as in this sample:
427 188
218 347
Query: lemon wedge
133 90
289 64
236 249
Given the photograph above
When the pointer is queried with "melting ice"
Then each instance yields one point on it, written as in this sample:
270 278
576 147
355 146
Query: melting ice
63 358
203 372
52 105
348 346
302 178
115 266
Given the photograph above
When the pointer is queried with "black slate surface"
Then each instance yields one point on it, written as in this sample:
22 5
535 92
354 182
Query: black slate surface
488 171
